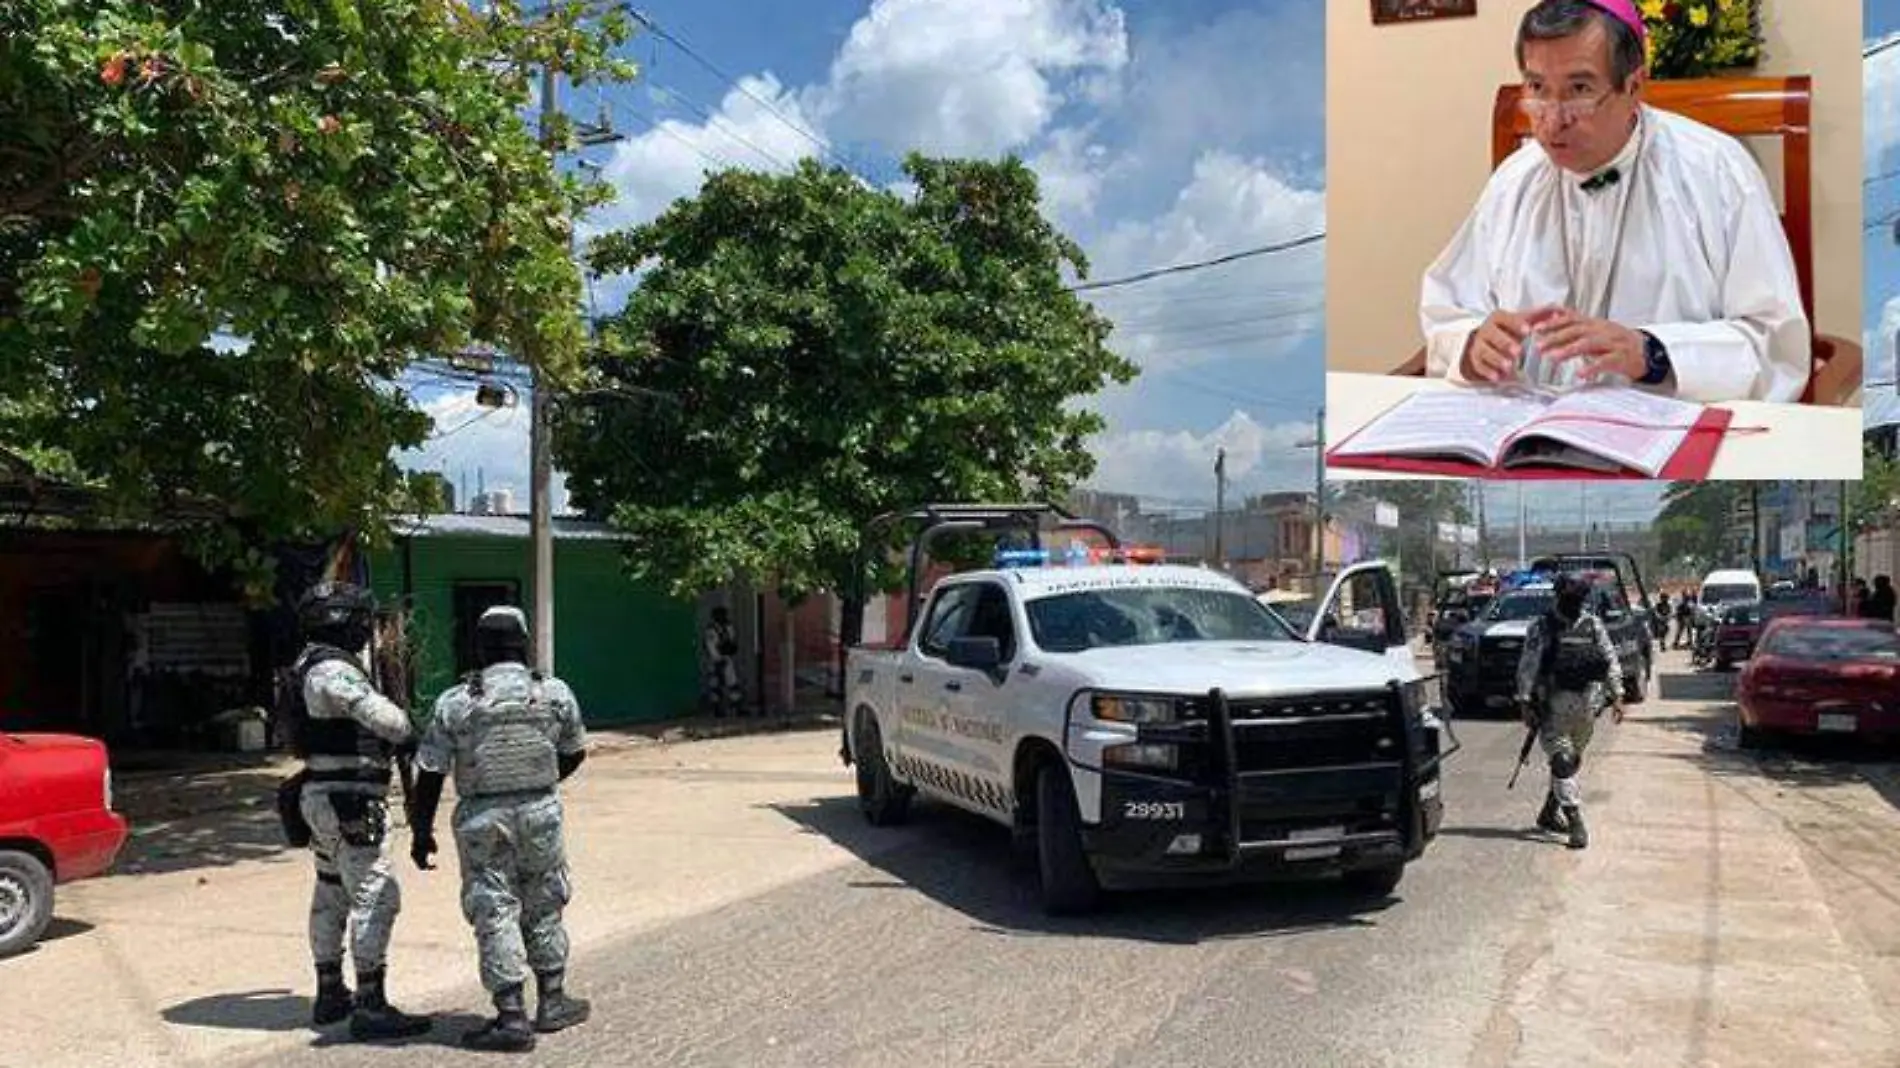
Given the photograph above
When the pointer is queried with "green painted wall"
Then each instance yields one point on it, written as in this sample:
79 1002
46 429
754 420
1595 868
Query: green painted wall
626 649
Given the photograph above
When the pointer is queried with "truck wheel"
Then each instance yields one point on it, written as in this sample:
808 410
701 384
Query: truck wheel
26 901
884 801
1068 883
1375 882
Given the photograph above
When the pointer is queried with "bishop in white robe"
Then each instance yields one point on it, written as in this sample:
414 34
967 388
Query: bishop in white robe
1673 246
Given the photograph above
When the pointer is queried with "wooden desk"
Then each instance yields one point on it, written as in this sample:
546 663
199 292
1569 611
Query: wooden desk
1804 441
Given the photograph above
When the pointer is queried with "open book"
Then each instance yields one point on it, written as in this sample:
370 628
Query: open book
1614 430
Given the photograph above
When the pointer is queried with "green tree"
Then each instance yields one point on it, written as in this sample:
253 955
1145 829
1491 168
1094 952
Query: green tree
1694 520
344 186
1875 499
830 353
1422 506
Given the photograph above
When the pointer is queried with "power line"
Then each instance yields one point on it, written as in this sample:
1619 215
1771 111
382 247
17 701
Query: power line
713 123
1184 268
1874 50
824 147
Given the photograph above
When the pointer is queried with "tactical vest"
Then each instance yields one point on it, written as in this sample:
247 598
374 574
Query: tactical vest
1573 660
309 736
510 742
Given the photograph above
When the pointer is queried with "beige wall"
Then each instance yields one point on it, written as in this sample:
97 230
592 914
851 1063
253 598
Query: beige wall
1408 148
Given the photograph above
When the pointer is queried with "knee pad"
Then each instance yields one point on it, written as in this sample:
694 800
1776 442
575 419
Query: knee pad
1565 765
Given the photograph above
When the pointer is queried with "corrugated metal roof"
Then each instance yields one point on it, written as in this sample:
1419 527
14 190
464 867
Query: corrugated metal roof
502 526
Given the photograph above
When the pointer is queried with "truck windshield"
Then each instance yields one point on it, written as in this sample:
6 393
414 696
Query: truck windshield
1729 594
1099 619
1527 605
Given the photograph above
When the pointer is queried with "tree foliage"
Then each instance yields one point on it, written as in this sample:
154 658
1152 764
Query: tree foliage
830 353
1874 501
1422 506
1694 521
342 185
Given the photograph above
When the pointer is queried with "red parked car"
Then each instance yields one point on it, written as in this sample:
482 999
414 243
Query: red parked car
1822 675
56 825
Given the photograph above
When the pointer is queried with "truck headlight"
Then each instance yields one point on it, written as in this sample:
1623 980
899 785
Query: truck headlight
1122 709
1413 698
1166 757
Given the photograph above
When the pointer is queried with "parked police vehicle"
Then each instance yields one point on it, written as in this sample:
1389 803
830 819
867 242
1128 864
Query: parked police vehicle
1146 724
1481 657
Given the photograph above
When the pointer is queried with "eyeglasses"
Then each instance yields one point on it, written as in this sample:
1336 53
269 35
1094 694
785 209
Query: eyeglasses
1564 111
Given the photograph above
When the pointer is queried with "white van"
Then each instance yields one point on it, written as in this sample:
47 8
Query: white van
1730 587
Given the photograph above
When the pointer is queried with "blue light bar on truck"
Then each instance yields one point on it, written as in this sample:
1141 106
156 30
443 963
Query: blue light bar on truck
1077 555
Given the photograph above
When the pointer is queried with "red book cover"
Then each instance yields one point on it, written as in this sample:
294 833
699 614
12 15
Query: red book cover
1691 462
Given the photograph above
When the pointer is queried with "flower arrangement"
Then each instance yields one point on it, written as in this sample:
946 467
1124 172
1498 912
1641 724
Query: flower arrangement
1695 38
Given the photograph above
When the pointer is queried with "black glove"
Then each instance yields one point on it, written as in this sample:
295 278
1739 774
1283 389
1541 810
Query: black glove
421 848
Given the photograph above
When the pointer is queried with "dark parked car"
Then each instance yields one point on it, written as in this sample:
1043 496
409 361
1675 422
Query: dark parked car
1822 675
1736 633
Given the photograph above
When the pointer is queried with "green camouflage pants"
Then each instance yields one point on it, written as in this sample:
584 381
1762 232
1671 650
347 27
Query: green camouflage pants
514 883
1569 721
356 893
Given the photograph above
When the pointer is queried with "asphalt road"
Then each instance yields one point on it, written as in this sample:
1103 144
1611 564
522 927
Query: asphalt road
929 949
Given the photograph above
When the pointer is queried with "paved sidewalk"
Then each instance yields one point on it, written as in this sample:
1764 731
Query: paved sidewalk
203 956
1697 930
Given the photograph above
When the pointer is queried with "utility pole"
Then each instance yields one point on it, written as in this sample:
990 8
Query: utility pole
1319 496
1484 532
1318 444
1754 525
540 448
1583 515
1220 508
1523 560
540 462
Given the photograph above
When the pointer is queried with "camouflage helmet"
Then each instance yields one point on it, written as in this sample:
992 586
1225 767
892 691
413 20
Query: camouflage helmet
334 605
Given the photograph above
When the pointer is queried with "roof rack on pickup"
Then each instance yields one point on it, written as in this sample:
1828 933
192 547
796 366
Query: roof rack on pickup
1026 520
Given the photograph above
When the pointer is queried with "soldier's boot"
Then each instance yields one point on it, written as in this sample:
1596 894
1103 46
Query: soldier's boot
555 1009
373 1017
509 1031
1550 819
1579 837
333 996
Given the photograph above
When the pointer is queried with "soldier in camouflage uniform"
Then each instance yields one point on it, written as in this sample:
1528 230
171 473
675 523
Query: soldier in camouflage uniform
346 733
719 677
1567 671
509 735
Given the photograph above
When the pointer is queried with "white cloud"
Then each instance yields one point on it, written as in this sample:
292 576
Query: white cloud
968 79
1264 306
1177 466
1881 119
1880 404
1070 171
670 161
487 446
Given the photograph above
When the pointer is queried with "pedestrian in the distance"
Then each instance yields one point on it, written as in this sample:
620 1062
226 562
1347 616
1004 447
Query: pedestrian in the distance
510 736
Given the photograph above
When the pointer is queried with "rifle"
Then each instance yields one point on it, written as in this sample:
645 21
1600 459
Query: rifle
1524 753
392 679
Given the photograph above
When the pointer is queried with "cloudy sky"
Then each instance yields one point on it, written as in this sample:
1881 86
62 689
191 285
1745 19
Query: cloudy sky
1881 126
1165 131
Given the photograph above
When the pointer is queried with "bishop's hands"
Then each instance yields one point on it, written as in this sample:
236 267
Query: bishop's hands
1496 348
1605 348
1495 351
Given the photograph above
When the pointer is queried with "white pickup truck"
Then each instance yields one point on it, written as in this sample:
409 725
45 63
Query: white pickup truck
1148 725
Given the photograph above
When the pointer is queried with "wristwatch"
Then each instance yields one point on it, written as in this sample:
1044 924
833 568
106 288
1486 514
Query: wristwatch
1656 366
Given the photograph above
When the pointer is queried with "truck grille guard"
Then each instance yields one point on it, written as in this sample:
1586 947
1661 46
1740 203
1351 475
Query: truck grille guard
1215 733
